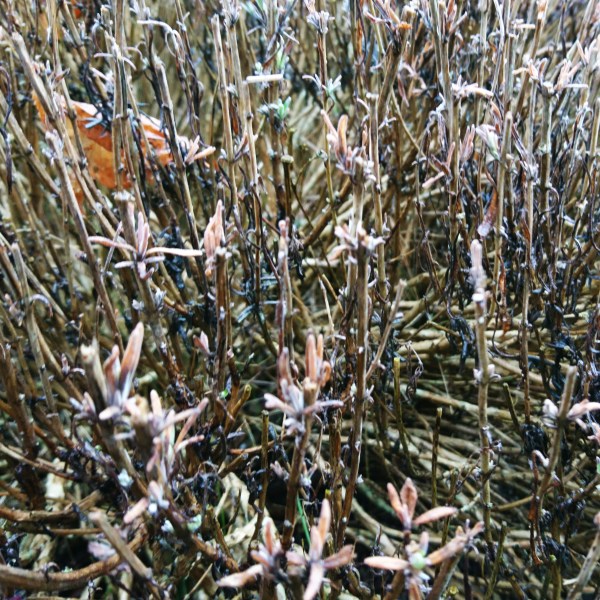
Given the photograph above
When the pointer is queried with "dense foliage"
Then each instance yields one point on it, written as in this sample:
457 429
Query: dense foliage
299 299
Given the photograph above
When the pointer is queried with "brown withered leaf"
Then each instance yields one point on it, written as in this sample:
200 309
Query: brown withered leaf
270 540
359 39
96 140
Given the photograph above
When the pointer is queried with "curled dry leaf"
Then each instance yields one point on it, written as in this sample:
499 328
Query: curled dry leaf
137 510
396 503
337 137
452 548
131 358
96 140
310 357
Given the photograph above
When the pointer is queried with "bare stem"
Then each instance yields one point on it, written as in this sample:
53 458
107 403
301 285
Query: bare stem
362 342
483 377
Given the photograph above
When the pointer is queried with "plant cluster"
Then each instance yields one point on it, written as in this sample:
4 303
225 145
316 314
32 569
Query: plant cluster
299 298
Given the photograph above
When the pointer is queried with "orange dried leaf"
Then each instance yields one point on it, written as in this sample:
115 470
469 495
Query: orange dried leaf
89 124
96 140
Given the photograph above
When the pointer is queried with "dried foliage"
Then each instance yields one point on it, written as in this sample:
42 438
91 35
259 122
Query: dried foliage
299 299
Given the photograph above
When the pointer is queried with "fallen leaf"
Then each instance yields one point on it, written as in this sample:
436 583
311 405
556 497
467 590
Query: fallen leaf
96 140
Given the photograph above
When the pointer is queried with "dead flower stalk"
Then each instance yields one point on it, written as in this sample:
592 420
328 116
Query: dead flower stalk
216 266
